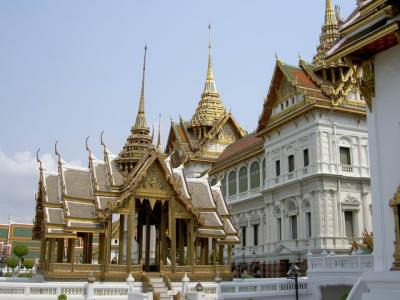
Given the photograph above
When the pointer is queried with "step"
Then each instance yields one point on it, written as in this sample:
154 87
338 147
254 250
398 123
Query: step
156 279
162 290
158 284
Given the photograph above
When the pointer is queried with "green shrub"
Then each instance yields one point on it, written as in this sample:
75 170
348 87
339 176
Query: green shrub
11 262
62 297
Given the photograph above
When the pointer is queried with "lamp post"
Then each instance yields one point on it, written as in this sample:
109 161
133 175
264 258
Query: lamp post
293 273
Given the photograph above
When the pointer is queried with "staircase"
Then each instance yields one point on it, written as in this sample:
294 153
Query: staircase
160 287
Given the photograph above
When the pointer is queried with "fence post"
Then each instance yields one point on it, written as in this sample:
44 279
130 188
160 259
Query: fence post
219 289
89 295
185 285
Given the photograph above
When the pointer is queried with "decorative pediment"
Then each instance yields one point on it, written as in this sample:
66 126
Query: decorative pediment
154 183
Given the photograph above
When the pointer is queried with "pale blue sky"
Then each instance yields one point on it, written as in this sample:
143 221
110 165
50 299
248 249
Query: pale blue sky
69 69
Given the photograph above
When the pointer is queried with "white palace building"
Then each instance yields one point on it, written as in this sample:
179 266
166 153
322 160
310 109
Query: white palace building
301 182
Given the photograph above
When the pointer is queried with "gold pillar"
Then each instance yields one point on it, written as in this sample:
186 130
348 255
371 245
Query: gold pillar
181 243
147 254
140 239
101 248
221 254
52 250
191 248
172 233
163 246
107 245
206 251
72 254
214 255
131 232
229 254
121 239
43 250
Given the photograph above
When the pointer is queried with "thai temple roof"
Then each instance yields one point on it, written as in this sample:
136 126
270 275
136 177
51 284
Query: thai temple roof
78 199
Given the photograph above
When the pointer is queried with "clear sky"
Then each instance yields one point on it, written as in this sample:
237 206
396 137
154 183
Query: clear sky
69 69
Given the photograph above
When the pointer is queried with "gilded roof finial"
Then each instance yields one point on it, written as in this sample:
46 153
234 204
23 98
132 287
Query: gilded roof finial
56 151
87 145
152 133
141 118
101 138
38 159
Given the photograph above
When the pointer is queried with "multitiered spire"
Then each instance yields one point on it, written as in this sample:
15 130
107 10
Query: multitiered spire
139 141
210 108
141 118
329 34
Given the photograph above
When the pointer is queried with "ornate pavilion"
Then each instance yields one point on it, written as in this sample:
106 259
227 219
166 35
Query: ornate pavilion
166 222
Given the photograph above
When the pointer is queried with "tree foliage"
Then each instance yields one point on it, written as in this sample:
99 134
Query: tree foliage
20 250
11 262
28 264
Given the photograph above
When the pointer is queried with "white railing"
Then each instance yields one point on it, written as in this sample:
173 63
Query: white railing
340 263
248 288
76 289
265 286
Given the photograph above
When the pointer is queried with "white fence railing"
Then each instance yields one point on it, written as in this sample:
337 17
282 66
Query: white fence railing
249 288
340 263
75 289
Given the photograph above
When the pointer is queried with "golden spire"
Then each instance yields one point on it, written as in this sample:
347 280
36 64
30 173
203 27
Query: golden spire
159 131
141 118
329 34
210 108
210 86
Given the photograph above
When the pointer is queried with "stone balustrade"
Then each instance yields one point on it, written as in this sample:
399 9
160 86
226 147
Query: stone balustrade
49 290
340 263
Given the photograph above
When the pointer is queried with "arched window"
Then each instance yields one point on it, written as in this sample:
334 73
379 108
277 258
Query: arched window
242 179
232 183
264 172
255 175
223 186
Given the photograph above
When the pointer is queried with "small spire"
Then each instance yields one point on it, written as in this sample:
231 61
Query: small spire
159 131
140 118
152 133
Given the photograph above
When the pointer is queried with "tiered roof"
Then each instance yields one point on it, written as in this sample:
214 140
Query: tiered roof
77 199
210 120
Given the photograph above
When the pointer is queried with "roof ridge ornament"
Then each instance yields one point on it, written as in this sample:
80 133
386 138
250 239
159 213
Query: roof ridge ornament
56 152
38 159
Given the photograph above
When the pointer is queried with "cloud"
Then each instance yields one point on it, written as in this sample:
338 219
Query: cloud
19 176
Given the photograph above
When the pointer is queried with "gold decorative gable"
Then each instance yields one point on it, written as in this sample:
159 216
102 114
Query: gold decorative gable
227 135
154 185
285 91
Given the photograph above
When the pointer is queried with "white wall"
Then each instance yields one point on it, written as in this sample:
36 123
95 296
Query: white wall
384 143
